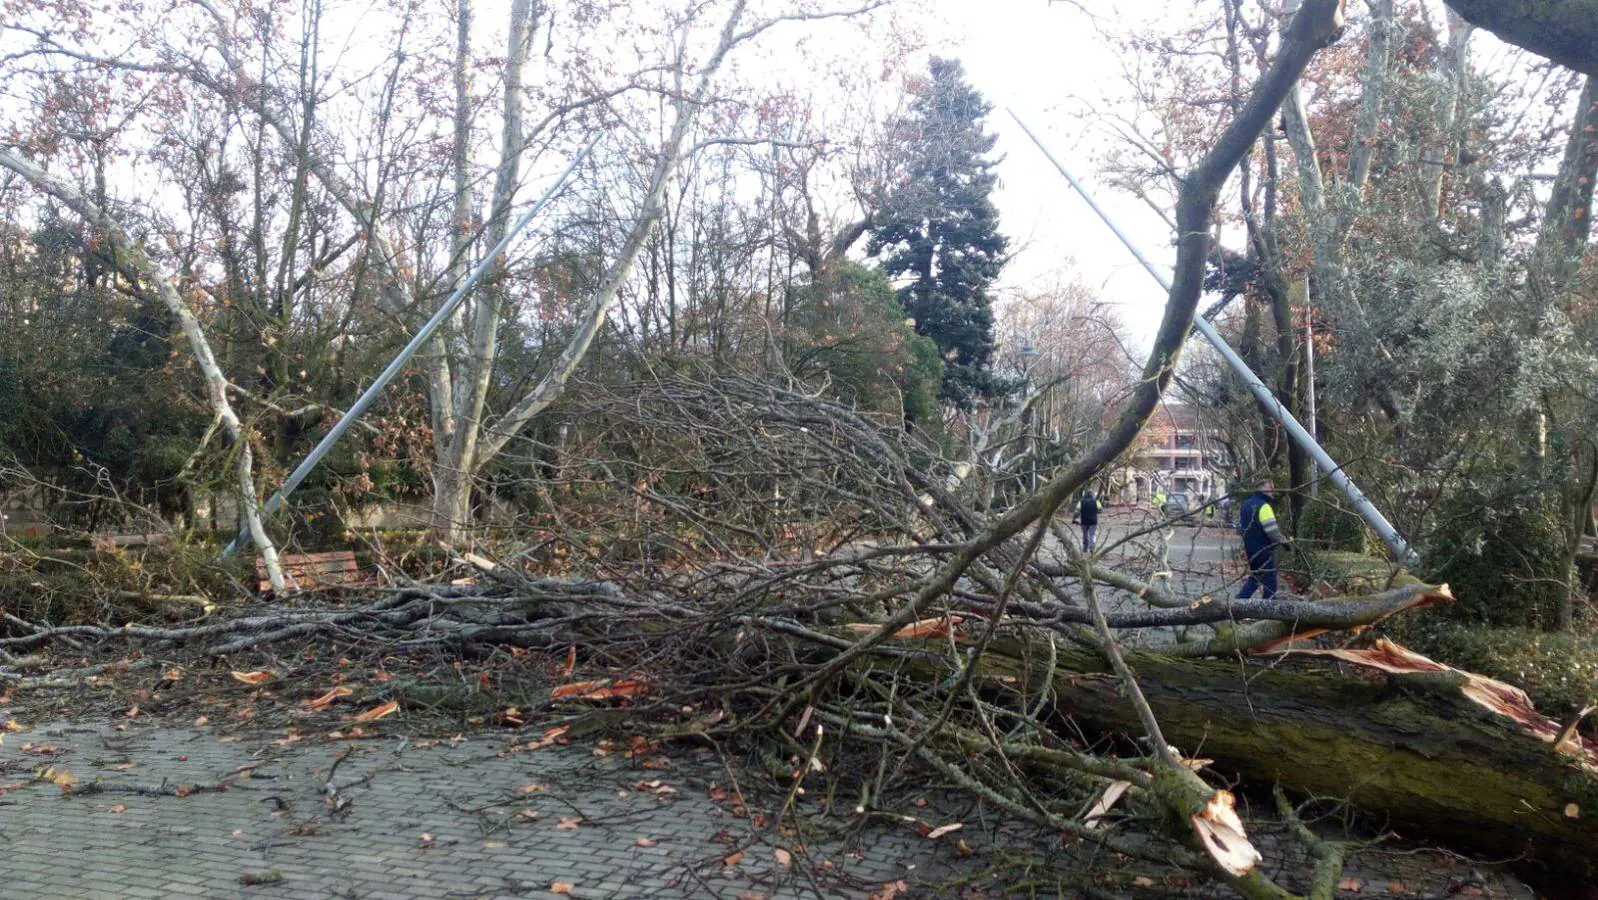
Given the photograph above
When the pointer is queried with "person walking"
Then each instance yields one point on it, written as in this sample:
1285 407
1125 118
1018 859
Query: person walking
1088 515
1261 536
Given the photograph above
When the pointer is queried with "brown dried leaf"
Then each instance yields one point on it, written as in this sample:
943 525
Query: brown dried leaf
327 699
783 857
551 736
568 823
645 842
561 887
378 712
252 678
733 858
942 830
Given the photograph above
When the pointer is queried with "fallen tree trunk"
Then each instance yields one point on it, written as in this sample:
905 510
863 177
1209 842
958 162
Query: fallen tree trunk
1413 748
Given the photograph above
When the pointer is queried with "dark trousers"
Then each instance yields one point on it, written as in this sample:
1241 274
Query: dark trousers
1261 573
1089 531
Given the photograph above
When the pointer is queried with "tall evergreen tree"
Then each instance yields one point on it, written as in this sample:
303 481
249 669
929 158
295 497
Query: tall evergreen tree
938 228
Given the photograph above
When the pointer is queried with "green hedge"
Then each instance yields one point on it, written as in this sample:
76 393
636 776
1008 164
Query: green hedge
1504 556
1325 526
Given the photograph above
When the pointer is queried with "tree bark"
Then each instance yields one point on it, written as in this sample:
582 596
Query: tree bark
1565 31
456 458
1411 748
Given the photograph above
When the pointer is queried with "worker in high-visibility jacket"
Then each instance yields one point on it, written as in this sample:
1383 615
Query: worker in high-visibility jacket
1261 537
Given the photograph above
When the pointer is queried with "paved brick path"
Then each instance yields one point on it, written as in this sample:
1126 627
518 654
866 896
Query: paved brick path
433 819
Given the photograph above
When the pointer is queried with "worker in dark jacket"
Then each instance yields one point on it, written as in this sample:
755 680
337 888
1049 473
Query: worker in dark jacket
1088 515
1261 536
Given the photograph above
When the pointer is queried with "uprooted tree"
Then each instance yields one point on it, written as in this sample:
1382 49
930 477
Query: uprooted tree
884 619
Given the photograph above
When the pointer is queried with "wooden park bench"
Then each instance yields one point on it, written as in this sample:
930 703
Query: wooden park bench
109 542
304 571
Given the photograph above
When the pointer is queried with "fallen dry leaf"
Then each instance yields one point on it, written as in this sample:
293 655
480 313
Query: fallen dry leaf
252 677
327 699
567 823
889 891
202 721
57 776
1351 885
942 830
532 789
378 712
733 858
561 887
120 807
1143 881
645 842
551 736
783 857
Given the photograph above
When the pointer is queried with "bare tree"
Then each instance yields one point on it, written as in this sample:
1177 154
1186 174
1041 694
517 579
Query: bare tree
140 270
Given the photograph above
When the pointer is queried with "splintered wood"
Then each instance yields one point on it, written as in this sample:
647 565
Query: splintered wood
1490 694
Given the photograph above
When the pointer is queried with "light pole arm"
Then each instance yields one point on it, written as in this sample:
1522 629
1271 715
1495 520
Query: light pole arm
367 398
1267 399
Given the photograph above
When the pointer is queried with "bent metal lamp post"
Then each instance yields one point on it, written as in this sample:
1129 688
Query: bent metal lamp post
1333 472
369 397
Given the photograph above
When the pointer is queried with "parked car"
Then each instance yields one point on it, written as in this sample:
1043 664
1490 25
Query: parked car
1175 506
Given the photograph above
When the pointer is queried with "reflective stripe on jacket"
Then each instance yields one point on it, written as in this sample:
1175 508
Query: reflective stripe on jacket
1258 522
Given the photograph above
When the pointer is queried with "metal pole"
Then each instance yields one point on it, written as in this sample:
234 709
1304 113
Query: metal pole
1309 387
365 401
1362 504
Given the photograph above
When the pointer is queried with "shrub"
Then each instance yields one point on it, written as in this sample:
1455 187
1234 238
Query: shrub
1326 526
1504 556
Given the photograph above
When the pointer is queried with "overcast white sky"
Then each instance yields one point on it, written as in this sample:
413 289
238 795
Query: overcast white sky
1034 57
